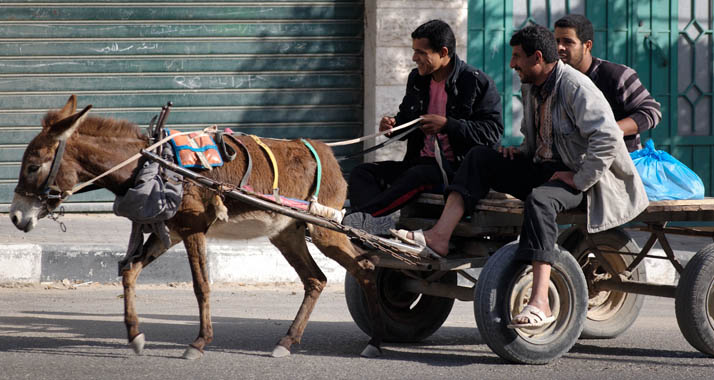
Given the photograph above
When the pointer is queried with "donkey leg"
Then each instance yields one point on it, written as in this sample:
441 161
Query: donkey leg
196 248
152 249
338 247
368 280
291 243
131 319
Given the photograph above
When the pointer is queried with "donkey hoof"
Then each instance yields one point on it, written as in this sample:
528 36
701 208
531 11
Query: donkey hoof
192 353
137 344
371 352
280 352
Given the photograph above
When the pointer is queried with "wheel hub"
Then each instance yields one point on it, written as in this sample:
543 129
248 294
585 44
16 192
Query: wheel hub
520 295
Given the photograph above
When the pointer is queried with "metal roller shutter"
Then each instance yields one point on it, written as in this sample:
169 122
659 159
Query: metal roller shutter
276 68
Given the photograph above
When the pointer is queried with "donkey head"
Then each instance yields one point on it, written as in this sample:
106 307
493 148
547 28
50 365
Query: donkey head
43 177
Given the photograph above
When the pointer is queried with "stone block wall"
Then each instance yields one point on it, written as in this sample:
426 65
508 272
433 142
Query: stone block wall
388 56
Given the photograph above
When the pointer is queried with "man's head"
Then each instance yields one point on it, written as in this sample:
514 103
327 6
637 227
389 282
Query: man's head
574 34
534 53
434 44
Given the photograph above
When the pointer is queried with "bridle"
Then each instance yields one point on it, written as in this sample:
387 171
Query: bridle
49 192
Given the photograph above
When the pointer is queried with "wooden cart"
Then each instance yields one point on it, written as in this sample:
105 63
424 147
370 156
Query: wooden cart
597 286
597 283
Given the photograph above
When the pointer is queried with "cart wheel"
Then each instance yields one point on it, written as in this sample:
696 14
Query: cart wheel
503 289
694 301
610 312
408 317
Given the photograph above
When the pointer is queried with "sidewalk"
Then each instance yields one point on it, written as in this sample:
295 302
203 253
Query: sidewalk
94 243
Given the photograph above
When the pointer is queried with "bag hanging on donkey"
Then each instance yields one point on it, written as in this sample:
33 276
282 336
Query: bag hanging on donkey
665 177
155 197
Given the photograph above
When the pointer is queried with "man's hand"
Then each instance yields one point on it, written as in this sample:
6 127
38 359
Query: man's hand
628 126
432 124
509 151
566 177
386 124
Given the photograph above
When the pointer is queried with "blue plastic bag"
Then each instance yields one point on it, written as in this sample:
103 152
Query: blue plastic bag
664 176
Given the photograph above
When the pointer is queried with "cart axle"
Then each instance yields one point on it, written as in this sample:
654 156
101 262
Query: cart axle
627 286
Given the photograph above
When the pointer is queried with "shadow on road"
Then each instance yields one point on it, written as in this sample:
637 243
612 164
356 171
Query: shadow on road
637 354
103 335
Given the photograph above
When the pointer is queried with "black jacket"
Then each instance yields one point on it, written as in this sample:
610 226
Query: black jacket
473 110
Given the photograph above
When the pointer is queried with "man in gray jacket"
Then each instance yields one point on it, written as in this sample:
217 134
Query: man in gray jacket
573 154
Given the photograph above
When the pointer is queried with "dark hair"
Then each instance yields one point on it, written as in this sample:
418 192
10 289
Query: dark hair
583 27
438 33
537 37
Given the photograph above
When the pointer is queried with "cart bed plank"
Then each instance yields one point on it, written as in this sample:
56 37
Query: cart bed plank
695 210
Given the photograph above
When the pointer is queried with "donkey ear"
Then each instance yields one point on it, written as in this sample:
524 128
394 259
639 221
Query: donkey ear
70 107
64 128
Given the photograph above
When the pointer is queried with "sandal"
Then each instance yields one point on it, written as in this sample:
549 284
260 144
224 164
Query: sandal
535 317
418 241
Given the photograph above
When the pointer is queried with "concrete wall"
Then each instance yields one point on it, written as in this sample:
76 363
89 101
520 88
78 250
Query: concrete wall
388 53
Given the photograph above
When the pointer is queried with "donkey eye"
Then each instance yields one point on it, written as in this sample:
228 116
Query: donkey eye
33 168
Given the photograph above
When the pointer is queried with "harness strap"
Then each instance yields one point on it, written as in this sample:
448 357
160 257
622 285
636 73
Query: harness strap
318 180
56 162
227 151
249 164
199 154
440 160
276 191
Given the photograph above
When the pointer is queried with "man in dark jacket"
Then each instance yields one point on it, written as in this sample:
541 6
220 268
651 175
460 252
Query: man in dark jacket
460 108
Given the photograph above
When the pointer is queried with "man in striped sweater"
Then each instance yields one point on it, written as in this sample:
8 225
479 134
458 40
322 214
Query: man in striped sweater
634 108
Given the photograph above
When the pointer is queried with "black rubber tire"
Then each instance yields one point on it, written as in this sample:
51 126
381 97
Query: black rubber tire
500 286
610 313
694 301
408 317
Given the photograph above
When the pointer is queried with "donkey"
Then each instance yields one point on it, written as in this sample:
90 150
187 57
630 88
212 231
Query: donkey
94 145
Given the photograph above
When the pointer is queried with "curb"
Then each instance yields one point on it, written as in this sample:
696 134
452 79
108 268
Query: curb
255 261
20 263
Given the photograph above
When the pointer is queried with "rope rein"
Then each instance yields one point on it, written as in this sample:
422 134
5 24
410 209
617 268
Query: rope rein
213 129
132 159
354 141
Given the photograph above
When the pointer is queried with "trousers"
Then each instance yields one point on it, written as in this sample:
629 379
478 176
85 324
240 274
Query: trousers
381 188
484 169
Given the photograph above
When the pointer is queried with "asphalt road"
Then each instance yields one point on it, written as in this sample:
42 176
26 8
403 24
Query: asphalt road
59 333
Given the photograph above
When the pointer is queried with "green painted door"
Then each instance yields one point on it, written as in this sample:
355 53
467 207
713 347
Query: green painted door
668 42
274 68
691 136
